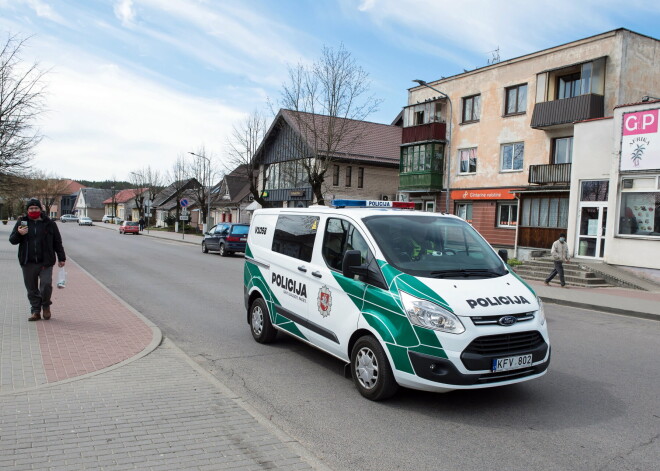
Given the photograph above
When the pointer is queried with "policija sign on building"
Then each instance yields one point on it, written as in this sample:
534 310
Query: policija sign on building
640 143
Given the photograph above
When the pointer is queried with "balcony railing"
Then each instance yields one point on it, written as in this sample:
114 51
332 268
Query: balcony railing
425 181
568 110
551 173
424 132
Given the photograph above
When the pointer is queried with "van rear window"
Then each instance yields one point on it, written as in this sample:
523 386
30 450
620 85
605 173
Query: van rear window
294 236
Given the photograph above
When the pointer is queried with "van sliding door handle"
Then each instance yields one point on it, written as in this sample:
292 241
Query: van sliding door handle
302 269
317 274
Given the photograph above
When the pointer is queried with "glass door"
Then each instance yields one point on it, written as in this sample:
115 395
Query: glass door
591 231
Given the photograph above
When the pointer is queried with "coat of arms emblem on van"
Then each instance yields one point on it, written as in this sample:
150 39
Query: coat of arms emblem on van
324 301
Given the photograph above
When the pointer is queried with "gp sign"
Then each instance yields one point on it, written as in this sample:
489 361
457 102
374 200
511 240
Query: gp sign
640 142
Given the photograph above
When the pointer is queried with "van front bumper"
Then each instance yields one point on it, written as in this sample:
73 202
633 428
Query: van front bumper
440 370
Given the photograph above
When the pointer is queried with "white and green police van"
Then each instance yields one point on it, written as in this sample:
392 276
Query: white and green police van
406 298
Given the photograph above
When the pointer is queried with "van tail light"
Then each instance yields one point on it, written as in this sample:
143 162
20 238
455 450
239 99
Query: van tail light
233 239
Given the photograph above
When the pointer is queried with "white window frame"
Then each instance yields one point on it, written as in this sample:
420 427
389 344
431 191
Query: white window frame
476 160
511 204
512 144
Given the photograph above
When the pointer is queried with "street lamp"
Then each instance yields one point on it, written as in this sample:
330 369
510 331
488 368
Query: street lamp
208 197
424 84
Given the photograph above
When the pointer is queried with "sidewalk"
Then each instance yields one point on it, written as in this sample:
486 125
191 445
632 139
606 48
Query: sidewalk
97 387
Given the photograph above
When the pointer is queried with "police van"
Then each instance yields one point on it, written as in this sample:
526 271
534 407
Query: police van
405 298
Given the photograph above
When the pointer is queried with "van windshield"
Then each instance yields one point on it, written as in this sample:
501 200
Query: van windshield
434 247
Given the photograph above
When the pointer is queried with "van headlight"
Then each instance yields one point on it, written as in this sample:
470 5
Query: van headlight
430 315
541 311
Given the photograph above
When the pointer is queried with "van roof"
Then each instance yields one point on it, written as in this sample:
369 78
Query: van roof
356 212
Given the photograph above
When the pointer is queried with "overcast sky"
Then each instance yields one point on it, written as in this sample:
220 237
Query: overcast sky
138 82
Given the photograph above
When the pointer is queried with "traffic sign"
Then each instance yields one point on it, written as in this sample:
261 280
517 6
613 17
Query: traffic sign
183 218
184 202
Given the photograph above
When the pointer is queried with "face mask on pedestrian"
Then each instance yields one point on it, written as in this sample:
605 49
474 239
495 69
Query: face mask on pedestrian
562 239
34 213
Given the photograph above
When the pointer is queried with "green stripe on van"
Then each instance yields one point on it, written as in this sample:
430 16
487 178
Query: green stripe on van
400 357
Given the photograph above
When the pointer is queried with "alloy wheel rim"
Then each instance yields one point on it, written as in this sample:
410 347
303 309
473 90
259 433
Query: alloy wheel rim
366 368
257 320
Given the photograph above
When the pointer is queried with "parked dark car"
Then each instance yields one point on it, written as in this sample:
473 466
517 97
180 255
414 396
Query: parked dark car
226 238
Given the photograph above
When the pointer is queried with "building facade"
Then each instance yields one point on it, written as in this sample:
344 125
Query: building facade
512 133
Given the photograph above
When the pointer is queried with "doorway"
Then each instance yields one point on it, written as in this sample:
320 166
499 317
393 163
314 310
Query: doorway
591 230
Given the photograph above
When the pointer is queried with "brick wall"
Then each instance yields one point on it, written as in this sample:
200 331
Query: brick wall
484 215
377 181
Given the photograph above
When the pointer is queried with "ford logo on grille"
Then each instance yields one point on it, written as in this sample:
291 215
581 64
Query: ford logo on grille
507 320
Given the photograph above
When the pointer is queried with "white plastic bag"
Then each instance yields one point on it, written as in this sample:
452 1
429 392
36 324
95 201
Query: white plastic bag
61 278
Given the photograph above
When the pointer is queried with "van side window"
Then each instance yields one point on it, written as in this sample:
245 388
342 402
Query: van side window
340 236
294 236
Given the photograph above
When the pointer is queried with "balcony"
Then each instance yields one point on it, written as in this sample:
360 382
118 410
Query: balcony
423 181
567 110
551 173
424 132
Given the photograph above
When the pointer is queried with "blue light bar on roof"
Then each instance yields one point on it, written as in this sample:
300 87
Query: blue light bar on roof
372 204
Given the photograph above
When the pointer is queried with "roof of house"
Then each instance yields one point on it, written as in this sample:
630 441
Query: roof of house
172 203
94 197
364 140
169 192
73 187
123 196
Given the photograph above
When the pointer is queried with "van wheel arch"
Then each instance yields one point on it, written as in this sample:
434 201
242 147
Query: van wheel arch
253 296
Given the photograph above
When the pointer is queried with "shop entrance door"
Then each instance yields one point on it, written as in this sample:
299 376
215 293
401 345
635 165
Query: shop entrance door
591 230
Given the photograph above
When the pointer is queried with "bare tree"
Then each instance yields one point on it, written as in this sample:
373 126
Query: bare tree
327 98
242 145
21 101
179 178
202 168
48 188
154 184
139 184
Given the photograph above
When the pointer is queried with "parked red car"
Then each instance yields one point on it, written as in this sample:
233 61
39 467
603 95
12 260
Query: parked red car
129 227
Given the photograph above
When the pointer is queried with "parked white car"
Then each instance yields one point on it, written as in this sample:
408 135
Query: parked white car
69 218
85 221
110 218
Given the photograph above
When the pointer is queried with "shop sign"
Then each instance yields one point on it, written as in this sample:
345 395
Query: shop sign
297 193
485 194
640 144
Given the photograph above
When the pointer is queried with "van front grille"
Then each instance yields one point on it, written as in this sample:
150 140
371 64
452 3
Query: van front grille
505 344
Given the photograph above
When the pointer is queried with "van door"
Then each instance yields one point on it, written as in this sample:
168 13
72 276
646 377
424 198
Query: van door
293 243
335 301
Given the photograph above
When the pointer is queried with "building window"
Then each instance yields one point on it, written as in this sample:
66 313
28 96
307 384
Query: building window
424 113
335 175
516 99
468 160
422 158
471 108
568 86
563 150
545 212
419 117
507 214
360 177
640 206
464 211
512 157
594 190
349 171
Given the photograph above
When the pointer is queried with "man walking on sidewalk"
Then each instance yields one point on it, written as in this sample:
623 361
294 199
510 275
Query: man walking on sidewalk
38 240
559 254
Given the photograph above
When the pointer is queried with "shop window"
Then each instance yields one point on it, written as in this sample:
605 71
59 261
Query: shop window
513 156
335 175
640 207
516 99
597 190
562 150
471 109
545 212
360 177
464 211
349 172
468 160
507 214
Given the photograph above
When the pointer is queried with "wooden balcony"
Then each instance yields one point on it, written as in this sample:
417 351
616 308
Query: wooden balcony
551 173
424 132
423 181
567 110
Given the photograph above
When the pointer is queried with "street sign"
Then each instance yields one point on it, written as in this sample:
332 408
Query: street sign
183 218
184 202
184 212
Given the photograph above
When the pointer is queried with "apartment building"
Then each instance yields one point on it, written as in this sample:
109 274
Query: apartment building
511 126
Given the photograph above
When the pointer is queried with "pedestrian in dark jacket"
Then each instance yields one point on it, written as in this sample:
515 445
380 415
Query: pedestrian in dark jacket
39 242
141 222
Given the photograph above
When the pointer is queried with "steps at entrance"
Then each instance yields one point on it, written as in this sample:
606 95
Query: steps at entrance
539 269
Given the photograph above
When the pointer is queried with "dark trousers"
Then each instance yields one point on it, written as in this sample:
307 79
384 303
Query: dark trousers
559 268
39 284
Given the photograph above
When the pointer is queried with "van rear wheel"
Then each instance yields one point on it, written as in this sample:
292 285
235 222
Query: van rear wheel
260 326
371 370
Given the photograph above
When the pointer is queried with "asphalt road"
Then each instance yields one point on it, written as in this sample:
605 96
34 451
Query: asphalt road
597 408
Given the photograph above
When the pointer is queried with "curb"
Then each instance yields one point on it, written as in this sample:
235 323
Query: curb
607 309
156 340
149 235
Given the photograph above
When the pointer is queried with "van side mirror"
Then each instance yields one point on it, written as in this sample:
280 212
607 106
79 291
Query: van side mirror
352 264
504 255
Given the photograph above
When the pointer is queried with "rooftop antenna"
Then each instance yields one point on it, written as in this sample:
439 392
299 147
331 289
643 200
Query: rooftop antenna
495 56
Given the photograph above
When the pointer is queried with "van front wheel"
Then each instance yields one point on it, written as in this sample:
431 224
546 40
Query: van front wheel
371 370
260 326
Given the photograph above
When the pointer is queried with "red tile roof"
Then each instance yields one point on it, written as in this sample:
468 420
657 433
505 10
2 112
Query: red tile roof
124 196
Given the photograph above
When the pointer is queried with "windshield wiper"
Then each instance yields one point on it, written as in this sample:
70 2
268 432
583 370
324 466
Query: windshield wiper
466 272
